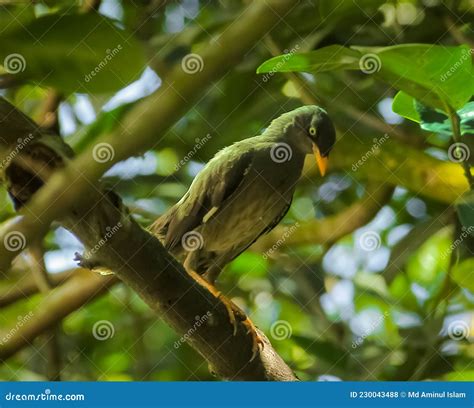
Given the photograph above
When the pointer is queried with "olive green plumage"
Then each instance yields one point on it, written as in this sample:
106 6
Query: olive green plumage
243 192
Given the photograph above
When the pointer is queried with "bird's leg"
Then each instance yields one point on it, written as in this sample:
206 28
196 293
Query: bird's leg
236 314
211 288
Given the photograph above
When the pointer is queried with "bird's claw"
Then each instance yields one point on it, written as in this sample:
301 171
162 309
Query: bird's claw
235 313
257 340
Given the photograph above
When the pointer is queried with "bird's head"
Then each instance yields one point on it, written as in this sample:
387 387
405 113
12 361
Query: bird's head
311 128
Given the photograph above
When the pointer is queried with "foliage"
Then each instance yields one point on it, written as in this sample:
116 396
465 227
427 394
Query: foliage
380 303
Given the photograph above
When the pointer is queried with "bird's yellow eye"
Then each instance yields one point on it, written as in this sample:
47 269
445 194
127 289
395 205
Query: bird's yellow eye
312 131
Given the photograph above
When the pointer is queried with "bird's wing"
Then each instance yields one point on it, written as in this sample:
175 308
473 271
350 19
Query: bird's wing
237 251
221 177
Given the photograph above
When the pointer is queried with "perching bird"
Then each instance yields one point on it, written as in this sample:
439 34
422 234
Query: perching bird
244 192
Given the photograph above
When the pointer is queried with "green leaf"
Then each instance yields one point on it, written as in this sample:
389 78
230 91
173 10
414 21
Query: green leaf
466 114
433 120
85 53
463 274
432 74
404 105
325 59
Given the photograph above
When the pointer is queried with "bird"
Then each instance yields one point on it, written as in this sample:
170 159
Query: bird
242 193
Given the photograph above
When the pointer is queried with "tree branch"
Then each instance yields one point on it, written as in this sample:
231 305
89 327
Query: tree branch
83 287
19 291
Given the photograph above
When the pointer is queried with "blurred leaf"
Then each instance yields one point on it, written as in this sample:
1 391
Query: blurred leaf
324 350
429 264
464 375
105 122
335 11
401 292
465 209
463 274
250 264
85 53
410 243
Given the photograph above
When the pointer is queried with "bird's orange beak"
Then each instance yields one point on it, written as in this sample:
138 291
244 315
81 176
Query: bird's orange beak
320 160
